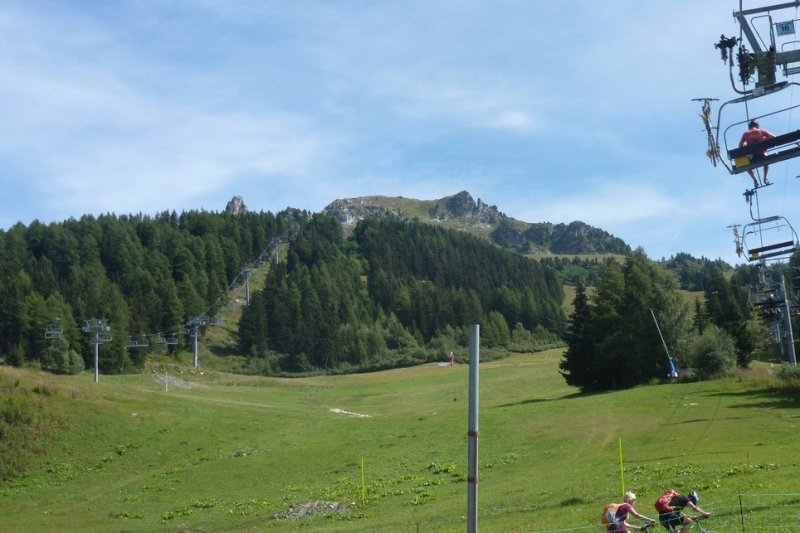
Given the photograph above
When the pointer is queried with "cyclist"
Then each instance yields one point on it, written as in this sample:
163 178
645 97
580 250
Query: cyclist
620 525
673 517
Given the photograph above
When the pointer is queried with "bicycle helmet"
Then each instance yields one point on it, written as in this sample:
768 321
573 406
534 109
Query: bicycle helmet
694 497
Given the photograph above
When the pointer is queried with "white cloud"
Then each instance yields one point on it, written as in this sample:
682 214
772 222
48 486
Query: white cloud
552 114
90 137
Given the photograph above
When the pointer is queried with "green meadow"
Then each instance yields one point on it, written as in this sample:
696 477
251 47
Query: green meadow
176 449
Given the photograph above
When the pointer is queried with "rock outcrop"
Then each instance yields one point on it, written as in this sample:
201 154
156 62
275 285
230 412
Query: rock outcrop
236 206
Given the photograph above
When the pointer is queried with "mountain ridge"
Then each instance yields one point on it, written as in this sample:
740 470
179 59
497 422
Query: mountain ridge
460 211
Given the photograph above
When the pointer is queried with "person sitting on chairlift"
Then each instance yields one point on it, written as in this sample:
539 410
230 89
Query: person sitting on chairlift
755 135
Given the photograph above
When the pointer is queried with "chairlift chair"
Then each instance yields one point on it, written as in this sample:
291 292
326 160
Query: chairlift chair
772 238
768 305
54 331
781 148
767 42
137 342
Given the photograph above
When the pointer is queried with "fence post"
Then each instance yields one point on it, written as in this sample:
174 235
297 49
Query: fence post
741 511
472 434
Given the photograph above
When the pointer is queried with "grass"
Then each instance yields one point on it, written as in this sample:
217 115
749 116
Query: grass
231 452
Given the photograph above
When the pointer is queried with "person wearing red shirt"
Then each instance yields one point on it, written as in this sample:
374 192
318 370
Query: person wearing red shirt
755 135
672 520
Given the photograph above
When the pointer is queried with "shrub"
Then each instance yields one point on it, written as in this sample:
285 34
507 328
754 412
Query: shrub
15 356
59 358
713 353
45 388
16 410
790 374
75 363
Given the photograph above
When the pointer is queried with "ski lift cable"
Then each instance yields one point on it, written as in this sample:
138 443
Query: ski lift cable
760 229
791 120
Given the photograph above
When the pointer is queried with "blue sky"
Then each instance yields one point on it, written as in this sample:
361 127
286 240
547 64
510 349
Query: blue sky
552 111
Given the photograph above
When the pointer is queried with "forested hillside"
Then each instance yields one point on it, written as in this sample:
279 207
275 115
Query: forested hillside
392 293
141 274
374 293
389 293
576 250
694 274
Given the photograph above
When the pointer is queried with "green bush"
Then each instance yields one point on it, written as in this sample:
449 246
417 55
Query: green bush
15 356
59 358
16 410
75 365
790 374
713 354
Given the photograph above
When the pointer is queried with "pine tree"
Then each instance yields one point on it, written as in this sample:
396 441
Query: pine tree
612 341
700 317
577 364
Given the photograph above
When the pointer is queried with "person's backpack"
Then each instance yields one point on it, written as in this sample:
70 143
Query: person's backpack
662 503
609 515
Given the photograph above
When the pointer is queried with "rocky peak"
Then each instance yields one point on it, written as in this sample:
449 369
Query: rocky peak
459 205
349 211
461 211
236 206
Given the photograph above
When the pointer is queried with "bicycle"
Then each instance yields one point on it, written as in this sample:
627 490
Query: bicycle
646 528
696 526
713 148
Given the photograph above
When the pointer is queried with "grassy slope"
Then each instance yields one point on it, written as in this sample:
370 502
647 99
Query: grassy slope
230 452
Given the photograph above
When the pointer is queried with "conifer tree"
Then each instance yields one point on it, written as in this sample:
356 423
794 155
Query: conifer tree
577 366
612 341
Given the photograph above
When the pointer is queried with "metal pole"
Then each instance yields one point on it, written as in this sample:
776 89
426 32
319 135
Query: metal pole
246 273
660 335
95 326
741 512
96 356
193 325
472 433
195 334
788 318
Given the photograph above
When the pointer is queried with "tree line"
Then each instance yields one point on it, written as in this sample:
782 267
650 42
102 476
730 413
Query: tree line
389 293
394 293
142 274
